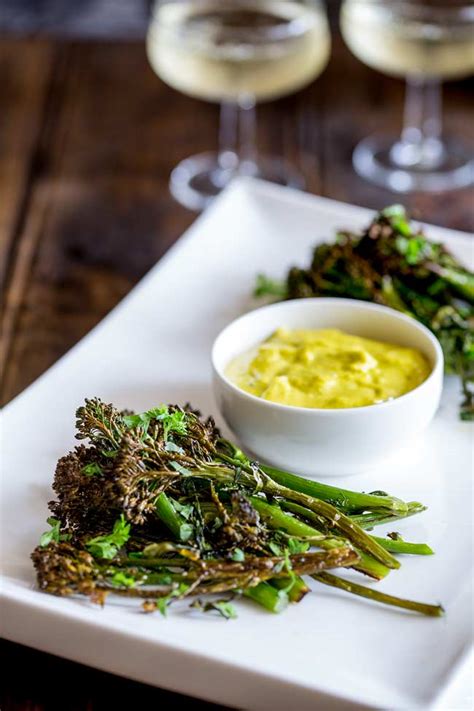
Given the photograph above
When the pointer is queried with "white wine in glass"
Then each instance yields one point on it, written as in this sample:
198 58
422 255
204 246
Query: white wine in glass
426 42
236 53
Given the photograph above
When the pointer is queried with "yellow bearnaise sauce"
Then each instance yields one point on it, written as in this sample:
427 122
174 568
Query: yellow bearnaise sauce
327 369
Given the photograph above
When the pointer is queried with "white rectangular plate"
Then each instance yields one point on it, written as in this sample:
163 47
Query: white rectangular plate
331 651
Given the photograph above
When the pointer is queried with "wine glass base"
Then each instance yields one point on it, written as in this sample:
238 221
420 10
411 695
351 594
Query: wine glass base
196 181
373 160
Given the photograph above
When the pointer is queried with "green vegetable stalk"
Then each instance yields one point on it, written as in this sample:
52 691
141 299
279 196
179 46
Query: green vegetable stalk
392 263
377 596
158 507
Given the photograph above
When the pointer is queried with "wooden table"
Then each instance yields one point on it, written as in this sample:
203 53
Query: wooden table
88 136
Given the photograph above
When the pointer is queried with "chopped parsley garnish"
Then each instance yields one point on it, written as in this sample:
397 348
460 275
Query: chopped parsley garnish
108 546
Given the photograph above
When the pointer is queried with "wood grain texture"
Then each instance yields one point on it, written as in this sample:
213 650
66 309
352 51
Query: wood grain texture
98 214
25 72
88 137
41 682
100 209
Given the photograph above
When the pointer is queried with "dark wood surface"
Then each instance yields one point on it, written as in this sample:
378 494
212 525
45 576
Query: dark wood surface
88 136
34 681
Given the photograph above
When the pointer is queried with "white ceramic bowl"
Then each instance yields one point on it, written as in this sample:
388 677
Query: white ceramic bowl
320 441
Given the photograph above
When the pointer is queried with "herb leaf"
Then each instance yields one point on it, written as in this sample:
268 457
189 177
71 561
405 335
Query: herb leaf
265 286
164 602
121 579
296 546
224 607
186 510
171 421
54 533
91 469
108 546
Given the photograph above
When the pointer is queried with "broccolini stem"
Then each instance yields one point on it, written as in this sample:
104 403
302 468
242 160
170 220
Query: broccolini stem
460 279
276 518
295 589
252 567
399 546
172 519
393 546
376 518
336 520
269 597
377 596
177 562
344 499
305 513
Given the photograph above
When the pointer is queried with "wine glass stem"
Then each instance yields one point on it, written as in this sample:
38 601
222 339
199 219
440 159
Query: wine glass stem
228 131
248 135
237 137
420 144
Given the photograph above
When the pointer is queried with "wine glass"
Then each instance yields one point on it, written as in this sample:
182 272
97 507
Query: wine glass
425 41
236 53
